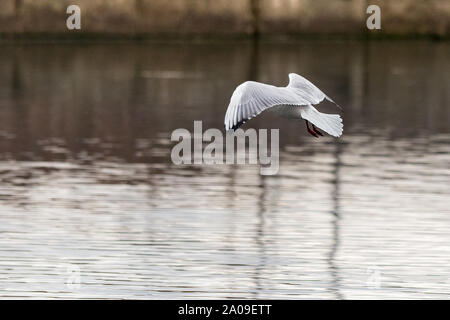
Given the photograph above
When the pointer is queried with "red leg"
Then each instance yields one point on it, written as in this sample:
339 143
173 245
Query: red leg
309 130
317 130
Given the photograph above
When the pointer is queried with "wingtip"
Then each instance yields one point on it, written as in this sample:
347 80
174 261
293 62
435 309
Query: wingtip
331 100
228 129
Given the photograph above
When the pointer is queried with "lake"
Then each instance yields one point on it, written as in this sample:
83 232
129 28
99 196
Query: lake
91 205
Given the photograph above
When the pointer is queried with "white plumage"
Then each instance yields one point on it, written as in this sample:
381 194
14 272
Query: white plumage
295 101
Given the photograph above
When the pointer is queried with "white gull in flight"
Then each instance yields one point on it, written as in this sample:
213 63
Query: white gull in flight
295 101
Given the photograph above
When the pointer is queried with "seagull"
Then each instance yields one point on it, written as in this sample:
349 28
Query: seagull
295 101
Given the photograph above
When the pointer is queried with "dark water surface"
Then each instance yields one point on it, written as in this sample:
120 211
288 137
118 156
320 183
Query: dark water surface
91 205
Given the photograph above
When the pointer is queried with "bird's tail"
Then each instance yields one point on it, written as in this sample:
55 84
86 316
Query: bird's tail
330 123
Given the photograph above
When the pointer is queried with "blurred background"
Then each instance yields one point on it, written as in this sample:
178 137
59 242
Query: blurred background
91 205
141 18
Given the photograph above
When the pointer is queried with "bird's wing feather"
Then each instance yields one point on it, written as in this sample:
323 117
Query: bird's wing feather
251 98
307 90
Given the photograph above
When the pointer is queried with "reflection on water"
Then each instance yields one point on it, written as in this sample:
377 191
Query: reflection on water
89 194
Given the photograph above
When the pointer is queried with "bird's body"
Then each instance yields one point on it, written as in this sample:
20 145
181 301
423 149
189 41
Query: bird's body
295 101
284 111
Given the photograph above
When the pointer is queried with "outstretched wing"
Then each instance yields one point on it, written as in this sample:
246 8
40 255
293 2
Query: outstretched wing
251 98
307 90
